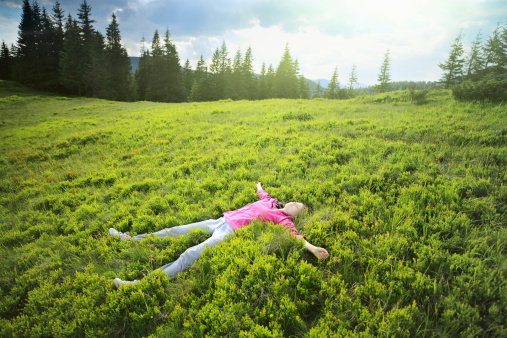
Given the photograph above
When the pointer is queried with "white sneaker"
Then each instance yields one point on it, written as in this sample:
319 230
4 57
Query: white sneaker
118 282
114 232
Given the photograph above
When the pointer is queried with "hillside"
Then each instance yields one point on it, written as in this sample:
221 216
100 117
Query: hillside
409 200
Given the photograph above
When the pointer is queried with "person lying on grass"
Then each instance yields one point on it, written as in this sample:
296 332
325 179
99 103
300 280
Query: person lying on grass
267 209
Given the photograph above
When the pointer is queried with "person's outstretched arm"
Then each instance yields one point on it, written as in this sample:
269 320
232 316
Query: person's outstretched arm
262 194
320 253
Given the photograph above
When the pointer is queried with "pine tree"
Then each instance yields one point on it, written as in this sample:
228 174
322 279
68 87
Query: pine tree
248 77
157 90
57 19
174 78
188 78
26 55
72 67
352 82
214 76
286 78
318 91
237 84
84 13
38 75
142 72
270 82
494 54
95 77
333 87
91 55
353 77
384 77
296 68
263 89
201 71
37 19
503 51
225 71
48 78
201 87
453 67
220 74
6 62
474 61
118 67
156 46
304 88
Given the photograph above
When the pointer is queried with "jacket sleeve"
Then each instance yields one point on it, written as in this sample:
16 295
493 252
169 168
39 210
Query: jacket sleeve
263 194
291 228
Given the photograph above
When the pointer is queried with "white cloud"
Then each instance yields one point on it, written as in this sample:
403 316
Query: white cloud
7 23
12 4
8 30
319 53
132 5
417 34
45 3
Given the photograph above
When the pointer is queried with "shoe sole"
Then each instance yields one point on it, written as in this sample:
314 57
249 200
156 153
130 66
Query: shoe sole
117 282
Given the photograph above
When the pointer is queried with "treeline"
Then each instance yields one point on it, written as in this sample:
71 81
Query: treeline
481 72
61 53
159 76
69 55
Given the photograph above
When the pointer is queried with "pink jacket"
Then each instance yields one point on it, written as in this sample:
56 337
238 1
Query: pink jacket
263 210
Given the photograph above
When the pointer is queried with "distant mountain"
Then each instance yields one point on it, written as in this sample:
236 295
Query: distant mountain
360 85
325 82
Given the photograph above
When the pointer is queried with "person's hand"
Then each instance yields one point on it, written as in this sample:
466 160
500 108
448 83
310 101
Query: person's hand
259 186
320 253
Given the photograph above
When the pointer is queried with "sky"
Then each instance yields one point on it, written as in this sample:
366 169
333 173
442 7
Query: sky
321 34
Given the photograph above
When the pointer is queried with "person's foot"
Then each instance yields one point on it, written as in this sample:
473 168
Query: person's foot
114 232
118 282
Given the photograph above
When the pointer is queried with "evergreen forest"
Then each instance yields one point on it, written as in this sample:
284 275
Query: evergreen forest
68 55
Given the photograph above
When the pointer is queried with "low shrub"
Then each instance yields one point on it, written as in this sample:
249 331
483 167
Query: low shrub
418 96
492 90
300 116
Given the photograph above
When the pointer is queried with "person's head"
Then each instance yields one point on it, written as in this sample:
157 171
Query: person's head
293 208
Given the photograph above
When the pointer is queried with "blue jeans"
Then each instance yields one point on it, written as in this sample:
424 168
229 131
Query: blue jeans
218 228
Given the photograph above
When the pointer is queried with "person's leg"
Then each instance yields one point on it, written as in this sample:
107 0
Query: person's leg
218 229
192 254
179 230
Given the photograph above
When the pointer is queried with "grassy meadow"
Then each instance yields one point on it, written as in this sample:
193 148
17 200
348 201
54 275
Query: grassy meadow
409 200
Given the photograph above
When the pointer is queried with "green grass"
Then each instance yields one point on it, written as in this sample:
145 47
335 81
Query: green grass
409 200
